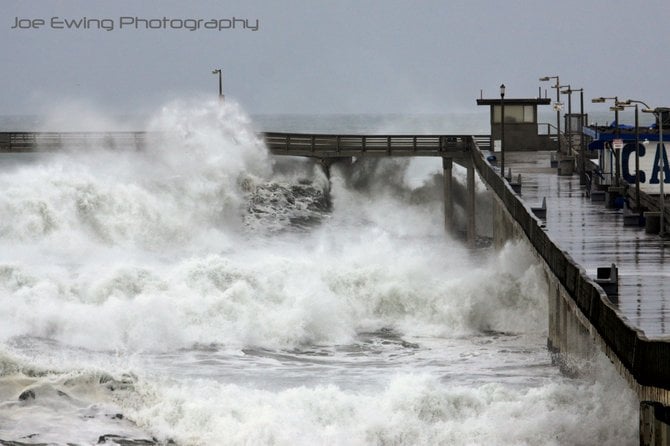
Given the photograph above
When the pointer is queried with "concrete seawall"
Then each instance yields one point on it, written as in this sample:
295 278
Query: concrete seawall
581 316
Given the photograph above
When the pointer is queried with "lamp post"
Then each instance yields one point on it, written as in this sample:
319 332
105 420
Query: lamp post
616 112
659 112
616 132
620 106
582 154
568 126
218 71
502 130
558 110
582 149
628 102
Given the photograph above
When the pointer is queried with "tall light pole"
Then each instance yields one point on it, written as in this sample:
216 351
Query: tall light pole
568 126
558 109
616 133
659 112
627 102
502 130
582 149
621 106
218 71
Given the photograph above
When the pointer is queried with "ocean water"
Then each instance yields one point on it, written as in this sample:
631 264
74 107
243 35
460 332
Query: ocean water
202 292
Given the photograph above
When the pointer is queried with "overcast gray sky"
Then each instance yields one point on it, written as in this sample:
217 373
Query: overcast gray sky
335 56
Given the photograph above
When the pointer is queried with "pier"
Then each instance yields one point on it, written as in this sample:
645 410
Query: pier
606 281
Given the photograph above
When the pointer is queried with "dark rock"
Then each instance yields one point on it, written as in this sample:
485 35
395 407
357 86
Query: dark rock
27 395
122 441
20 443
287 206
124 383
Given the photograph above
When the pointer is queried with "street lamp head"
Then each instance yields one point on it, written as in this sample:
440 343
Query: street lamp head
634 101
217 71
502 90
617 108
545 78
598 100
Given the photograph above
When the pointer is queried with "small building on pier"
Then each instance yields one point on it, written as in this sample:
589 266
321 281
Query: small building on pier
521 125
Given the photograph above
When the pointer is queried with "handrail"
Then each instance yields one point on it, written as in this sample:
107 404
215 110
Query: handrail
303 144
30 141
325 144
549 127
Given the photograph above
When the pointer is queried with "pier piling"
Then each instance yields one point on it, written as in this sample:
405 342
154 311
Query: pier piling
447 165
472 235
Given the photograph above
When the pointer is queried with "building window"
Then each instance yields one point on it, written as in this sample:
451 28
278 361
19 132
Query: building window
515 114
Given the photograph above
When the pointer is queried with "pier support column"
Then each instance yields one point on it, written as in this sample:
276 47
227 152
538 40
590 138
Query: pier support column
472 234
654 427
447 164
327 162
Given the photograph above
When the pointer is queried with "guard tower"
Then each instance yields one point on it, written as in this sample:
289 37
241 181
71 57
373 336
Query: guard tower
521 129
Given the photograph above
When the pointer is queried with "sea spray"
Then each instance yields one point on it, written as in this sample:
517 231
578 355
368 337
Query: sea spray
228 297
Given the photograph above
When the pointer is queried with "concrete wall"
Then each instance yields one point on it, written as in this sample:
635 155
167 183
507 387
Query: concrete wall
522 136
581 317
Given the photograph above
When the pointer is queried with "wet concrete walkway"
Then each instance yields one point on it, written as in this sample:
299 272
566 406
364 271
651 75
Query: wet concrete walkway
595 237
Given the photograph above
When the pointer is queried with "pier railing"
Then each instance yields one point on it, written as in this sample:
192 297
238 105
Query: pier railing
299 144
46 141
328 145
549 129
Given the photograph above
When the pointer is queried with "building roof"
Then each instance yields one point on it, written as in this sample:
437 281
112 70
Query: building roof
515 101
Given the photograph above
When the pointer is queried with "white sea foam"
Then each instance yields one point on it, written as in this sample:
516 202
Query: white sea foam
276 295
411 409
361 324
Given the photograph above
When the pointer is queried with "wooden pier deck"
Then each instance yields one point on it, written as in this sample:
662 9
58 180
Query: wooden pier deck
595 236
